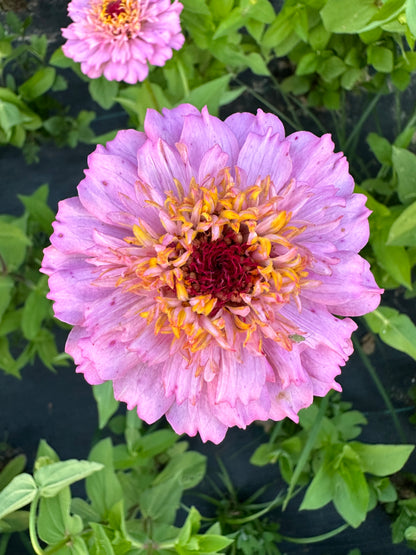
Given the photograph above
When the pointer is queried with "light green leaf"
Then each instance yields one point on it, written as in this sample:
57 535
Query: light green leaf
339 16
53 518
351 492
395 329
234 21
20 492
209 94
320 490
52 478
381 460
10 116
38 84
403 230
103 92
411 16
36 205
106 404
103 488
102 544
381 148
13 244
381 58
404 164
189 468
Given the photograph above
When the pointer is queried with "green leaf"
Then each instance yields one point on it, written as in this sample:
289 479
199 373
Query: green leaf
52 478
260 10
403 230
12 469
257 64
10 116
351 493
20 492
38 84
6 288
307 64
404 164
155 443
381 58
320 490
212 543
234 21
381 460
53 519
411 16
35 310
381 148
395 329
103 488
103 92
189 468
339 16
102 544
161 501
394 260
45 451
106 404
331 68
13 243
209 94
16 522
38 209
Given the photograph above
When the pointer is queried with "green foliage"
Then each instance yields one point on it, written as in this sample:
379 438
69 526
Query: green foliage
336 469
335 46
25 312
29 111
133 494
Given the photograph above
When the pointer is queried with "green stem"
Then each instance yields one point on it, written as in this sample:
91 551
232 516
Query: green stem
4 540
315 539
310 442
269 105
361 121
152 95
32 526
276 501
381 389
184 80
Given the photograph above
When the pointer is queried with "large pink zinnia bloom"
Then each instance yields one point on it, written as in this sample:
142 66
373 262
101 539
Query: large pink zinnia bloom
201 266
116 38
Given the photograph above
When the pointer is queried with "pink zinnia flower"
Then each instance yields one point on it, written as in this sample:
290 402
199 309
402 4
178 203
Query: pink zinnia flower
118 37
201 266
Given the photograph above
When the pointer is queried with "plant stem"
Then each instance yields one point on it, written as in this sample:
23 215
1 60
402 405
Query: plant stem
381 389
361 121
310 442
32 526
315 539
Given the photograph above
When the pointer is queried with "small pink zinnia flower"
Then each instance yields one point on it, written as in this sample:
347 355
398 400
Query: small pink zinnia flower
201 266
116 38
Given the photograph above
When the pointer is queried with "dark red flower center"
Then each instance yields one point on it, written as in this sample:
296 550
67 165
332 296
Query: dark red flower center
222 268
115 8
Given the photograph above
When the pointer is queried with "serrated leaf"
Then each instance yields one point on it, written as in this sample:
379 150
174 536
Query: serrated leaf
54 477
20 492
395 329
382 460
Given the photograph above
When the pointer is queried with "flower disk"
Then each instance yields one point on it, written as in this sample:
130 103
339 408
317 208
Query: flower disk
116 38
203 263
